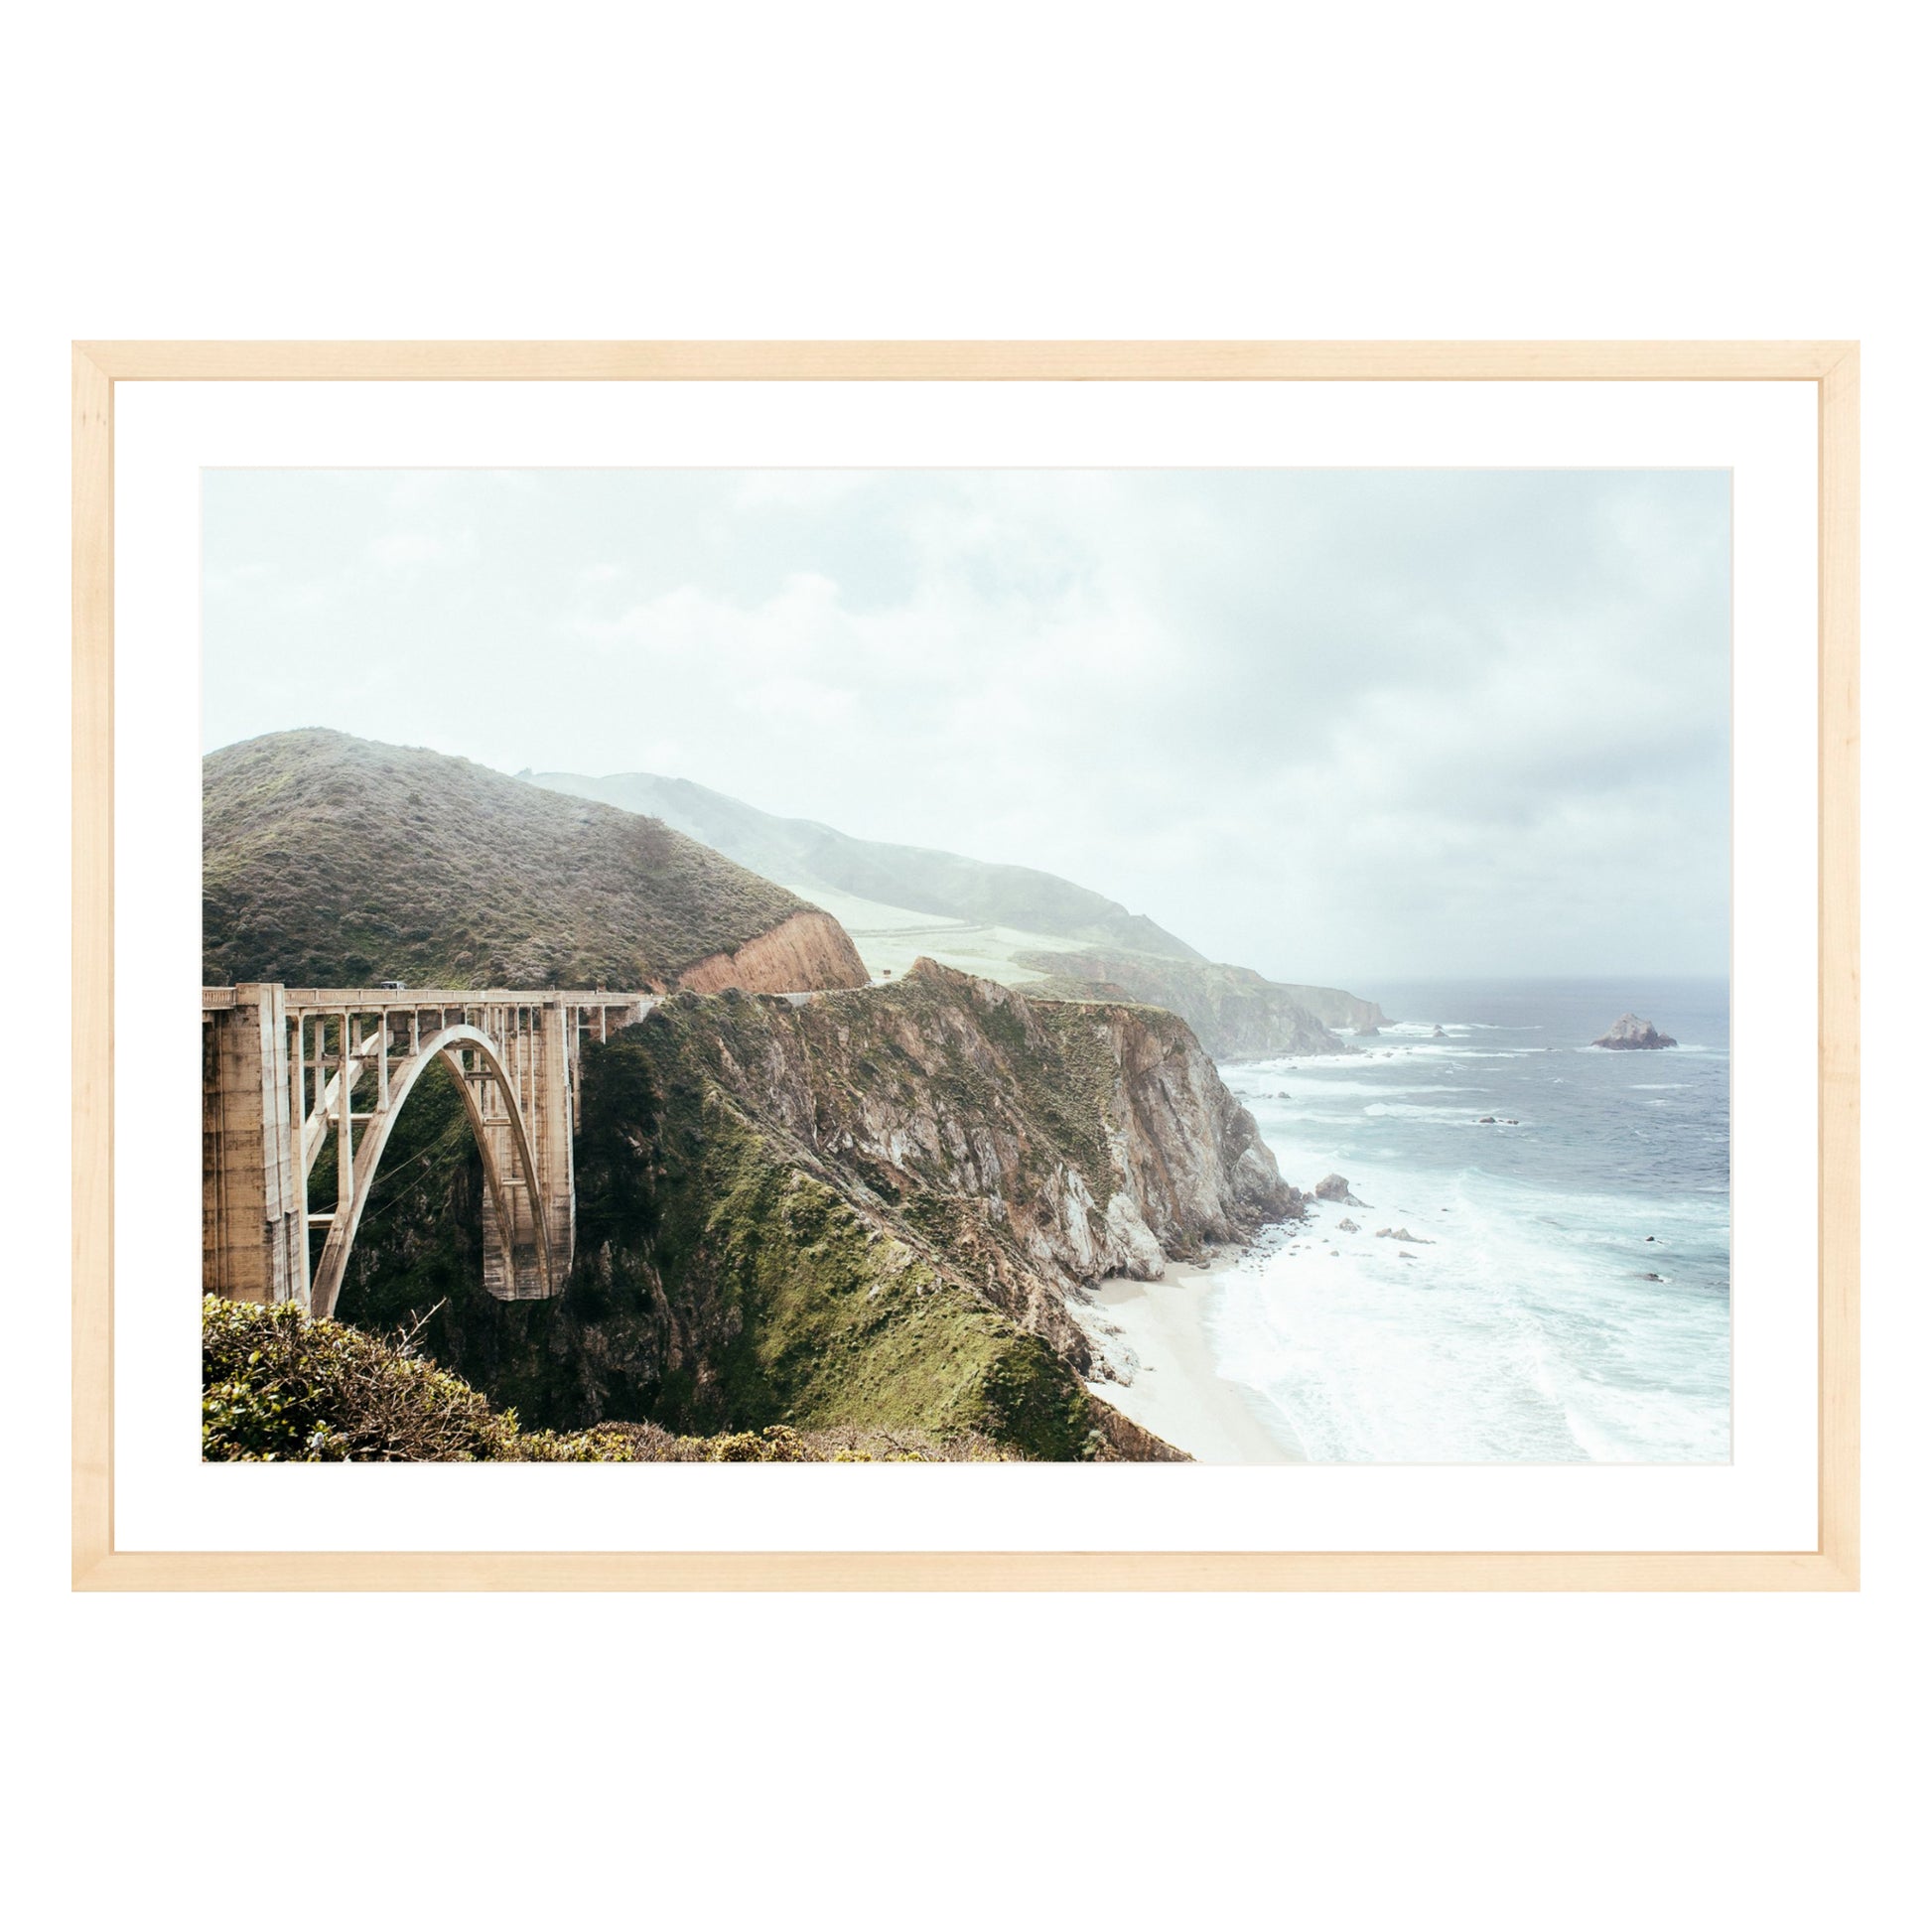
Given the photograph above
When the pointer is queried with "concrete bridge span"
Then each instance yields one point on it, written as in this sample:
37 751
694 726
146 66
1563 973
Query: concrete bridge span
287 1072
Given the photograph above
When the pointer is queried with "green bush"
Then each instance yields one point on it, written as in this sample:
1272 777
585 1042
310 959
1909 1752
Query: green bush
279 1387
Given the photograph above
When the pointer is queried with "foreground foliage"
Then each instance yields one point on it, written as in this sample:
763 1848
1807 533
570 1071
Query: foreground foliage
280 1387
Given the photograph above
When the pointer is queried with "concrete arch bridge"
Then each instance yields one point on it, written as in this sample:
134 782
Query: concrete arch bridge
289 1070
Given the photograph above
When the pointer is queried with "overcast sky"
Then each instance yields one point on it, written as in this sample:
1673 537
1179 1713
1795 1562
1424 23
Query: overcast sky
1344 726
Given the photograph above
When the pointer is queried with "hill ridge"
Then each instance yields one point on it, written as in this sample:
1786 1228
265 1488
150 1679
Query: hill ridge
329 859
803 852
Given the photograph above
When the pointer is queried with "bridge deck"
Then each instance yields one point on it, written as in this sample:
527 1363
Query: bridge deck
370 999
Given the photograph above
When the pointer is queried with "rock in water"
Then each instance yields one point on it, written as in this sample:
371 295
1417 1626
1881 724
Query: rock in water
1335 1186
1630 1034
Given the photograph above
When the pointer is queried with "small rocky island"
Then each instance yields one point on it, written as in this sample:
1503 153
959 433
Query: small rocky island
1631 1034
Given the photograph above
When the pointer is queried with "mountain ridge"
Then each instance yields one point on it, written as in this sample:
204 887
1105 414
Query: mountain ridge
1028 929
800 852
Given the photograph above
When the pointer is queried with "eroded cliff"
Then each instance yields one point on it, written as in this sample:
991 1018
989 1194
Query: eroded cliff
808 949
868 1207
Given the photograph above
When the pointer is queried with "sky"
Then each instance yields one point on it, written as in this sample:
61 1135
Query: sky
1340 726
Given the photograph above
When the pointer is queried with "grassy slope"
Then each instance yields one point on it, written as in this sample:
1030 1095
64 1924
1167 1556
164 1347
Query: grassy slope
331 861
1005 923
809 856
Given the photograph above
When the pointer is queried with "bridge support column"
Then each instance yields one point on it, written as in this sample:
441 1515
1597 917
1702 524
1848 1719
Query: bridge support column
553 1133
251 1217
536 1049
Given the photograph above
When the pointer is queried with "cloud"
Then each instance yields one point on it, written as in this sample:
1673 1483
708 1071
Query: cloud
796 489
1328 724
412 549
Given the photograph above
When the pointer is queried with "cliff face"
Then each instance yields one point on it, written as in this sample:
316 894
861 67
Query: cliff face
1236 1013
1334 1007
861 1207
810 949
1035 1144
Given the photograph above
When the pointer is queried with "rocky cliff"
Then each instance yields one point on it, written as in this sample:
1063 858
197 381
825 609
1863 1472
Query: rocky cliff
810 949
1036 1144
858 1207
1237 1013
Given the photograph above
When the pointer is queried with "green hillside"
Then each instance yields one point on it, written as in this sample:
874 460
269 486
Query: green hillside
333 860
1024 928
809 858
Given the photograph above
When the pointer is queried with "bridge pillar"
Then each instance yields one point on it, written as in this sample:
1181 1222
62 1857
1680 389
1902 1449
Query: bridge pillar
537 1053
251 1218
553 1134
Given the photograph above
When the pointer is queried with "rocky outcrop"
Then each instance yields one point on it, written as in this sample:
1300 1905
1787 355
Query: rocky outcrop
1029 1147
1335 1188
1633 1034
806 952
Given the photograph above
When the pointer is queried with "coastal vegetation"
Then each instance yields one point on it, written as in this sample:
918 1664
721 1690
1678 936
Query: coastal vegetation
329 860
278 1386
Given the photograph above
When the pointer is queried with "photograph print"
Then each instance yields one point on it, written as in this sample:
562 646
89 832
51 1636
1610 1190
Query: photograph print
923 965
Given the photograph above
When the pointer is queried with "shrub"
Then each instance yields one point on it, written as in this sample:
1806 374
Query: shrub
280 1387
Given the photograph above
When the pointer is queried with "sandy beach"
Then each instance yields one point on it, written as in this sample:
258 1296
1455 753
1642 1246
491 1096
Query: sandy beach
1153 1334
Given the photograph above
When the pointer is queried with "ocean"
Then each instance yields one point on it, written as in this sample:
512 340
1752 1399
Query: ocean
1562 1293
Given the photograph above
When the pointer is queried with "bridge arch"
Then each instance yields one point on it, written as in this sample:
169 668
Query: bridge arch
285 1070
450 1045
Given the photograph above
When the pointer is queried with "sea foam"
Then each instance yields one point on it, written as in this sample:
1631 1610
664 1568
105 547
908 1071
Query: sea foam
1516 1322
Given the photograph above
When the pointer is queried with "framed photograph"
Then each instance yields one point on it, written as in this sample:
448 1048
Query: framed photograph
966 965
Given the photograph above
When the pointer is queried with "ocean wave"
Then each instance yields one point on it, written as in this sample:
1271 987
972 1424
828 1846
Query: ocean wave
1480 1344
1319 1089
1516 1322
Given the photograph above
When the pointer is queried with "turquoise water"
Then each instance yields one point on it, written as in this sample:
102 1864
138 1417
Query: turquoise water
1516 1324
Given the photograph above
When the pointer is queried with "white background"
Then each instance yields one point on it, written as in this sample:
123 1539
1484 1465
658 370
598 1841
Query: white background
1766 434
998 170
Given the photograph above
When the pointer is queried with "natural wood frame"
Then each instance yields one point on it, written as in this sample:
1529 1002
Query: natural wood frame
1831 366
